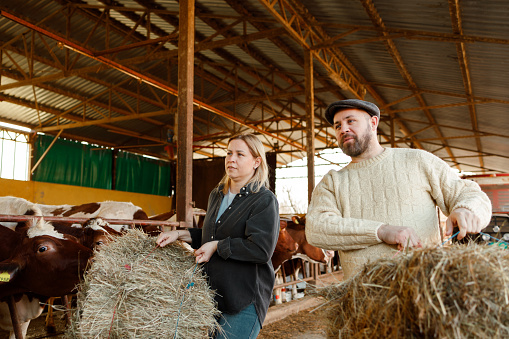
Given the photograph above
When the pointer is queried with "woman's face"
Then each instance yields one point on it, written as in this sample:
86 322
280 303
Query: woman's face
239 163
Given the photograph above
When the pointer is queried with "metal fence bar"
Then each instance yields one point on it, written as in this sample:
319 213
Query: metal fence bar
4 217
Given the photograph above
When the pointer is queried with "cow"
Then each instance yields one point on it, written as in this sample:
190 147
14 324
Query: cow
93 234
41 262
106 210
17 206
306 251
44 262
286 246
291 263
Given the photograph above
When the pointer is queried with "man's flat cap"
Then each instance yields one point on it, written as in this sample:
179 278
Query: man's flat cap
337 106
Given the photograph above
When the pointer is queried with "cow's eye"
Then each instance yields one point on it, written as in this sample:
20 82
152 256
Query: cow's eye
99 243
42 249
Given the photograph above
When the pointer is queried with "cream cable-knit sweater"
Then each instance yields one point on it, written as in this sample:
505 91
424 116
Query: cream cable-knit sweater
399 187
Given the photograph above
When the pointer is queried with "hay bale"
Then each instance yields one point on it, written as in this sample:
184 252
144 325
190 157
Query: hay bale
135 290
460 291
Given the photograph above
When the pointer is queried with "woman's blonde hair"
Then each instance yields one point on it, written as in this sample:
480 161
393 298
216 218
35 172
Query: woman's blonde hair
261 175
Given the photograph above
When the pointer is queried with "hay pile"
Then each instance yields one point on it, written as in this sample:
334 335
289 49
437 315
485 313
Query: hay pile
143 299
457 292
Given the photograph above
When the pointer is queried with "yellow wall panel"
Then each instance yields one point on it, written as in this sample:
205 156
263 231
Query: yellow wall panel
58 194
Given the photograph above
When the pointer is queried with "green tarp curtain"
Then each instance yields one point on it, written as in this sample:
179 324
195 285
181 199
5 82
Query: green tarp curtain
73 163
142 175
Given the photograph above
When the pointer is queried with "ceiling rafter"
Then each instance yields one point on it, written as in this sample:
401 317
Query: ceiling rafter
250 66
418 35
143 77
454 10
398 60
296 58
83 99
227 56
421 90
301 30
214 110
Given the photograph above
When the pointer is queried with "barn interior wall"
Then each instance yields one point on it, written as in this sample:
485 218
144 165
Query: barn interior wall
208 172
58 194
206 175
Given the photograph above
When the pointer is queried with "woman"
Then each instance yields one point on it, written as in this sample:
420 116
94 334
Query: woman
238 238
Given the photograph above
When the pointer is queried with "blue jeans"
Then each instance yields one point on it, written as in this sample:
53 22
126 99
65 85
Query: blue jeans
243 325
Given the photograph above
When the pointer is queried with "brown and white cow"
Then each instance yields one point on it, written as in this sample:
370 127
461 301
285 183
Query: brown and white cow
306 251
286 246
17 206
93 234
291 263
104 209
42 262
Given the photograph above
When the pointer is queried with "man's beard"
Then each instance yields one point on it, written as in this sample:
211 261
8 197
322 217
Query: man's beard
358 146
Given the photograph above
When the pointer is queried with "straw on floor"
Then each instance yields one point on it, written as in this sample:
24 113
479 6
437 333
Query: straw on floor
135 290
461 291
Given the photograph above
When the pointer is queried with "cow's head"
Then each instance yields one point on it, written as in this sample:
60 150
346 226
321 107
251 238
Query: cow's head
43 261
44 265
97 232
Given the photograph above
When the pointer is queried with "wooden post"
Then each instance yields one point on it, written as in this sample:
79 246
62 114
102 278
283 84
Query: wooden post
185 112
310 121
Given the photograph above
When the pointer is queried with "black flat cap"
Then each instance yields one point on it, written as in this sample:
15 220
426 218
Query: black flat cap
335 107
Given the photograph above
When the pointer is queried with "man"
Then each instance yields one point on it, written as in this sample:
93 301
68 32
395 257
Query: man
386 198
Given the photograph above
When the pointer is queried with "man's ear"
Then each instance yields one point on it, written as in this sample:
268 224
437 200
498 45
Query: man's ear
374 120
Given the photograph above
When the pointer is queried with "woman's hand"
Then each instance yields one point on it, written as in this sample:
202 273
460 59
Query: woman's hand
204 253
168 237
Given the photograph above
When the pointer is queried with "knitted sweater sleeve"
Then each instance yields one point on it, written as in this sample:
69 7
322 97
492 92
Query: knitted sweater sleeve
327 228
451 192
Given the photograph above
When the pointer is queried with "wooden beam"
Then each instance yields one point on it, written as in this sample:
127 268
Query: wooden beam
101 121
44 154
310 121
185 113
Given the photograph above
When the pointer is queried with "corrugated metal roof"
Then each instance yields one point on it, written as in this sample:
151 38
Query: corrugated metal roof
405 54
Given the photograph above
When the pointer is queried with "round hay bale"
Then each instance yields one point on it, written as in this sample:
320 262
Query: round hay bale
135 290
460 291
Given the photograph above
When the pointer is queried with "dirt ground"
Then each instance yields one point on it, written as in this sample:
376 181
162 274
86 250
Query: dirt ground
37 330
306 324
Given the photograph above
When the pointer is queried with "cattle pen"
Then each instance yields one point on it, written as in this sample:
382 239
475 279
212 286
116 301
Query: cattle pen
311 273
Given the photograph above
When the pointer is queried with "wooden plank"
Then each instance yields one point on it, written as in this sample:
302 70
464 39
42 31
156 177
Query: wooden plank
185 113
310 121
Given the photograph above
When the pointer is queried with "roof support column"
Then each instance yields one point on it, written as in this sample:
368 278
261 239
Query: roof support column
310 120
185 113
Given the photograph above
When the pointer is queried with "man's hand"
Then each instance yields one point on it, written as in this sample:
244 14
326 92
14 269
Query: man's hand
465 220
399 235
206 250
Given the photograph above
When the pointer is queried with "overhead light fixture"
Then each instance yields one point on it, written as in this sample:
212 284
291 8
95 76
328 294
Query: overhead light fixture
15 127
